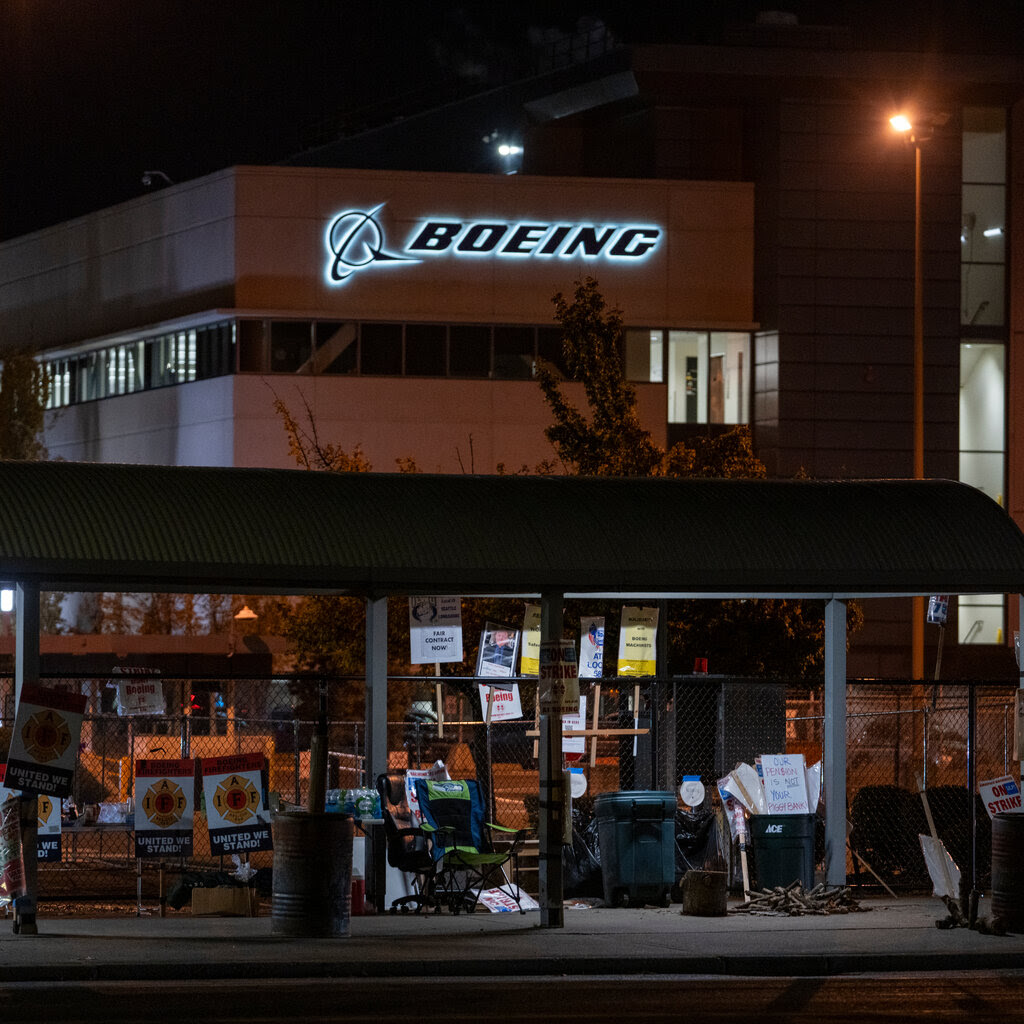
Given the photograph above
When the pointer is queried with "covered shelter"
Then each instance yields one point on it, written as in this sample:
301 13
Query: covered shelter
93 527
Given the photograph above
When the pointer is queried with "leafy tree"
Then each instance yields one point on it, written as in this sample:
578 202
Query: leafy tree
24 392
610 441
781 638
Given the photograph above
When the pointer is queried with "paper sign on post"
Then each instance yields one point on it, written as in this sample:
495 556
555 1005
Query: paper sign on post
592 647
435 629
236 817
637 635
164 807
559 688
529 661
44 746
575 746
785 783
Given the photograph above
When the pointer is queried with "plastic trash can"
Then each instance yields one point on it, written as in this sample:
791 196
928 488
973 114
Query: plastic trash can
783 849
637 845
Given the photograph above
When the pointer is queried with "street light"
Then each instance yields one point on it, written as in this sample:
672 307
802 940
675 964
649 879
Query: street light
918 133
902 123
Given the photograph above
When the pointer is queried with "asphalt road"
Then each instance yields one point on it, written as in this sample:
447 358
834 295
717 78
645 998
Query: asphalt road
978 997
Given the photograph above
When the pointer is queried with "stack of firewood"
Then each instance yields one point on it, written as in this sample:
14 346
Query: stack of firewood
794 901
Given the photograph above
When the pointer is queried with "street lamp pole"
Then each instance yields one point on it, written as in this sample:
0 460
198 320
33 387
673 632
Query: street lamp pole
902 124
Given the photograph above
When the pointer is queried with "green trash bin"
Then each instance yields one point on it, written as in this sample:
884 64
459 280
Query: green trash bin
636 837
783 847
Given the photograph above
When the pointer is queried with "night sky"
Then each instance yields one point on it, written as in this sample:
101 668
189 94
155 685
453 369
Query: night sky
95 92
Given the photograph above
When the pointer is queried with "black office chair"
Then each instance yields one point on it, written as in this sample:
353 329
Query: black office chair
407 848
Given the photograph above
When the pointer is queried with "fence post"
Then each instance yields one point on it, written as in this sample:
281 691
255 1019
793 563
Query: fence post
551 883
835 742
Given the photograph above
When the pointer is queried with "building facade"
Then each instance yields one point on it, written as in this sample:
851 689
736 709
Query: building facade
747 206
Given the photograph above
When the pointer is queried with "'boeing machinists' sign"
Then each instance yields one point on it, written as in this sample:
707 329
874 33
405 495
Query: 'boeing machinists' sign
355 241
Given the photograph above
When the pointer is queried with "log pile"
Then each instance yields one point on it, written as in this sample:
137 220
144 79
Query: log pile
793 901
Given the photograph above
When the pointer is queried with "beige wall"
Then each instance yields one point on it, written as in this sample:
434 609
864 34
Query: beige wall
447 426
252 238
701 272
163 255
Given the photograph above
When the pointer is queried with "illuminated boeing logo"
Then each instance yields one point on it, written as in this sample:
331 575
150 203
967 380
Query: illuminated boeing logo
355 241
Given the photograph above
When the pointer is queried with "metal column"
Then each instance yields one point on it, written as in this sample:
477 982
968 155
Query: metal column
834 780
376 756
26 672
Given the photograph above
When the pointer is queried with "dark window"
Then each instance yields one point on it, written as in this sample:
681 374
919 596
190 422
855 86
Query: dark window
250 346
425 350
214 351
549 348
336 347
469 351
380 349
290 342
513 353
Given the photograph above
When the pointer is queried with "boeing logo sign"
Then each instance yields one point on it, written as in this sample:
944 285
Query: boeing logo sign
355 242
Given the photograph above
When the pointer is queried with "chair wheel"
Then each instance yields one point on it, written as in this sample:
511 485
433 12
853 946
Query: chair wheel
393 910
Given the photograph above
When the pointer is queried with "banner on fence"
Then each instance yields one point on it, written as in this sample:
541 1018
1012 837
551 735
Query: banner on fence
12 865
592 647
1000 795
236 816
140 694
164 807
44 746
558 692
48 829
637 654
435 629
529 663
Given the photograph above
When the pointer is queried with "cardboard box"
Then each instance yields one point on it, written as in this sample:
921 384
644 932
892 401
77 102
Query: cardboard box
224 901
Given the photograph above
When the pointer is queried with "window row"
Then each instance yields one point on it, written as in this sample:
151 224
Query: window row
395 349
707 372
143 365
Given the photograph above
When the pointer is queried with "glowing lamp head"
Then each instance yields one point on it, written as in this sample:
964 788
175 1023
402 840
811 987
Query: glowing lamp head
901 123
6 600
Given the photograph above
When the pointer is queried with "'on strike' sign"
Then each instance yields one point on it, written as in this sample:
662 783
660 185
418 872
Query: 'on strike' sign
559 685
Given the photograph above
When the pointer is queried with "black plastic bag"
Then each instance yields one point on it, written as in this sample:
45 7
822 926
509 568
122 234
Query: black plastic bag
581 870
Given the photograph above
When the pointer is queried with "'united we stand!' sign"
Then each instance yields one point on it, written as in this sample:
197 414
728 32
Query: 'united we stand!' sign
235 813
44 746
164 807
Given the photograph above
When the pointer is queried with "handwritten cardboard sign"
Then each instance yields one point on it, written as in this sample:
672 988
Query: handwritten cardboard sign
785 783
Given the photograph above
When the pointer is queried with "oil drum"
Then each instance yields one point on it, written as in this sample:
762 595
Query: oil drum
312 889
1007 876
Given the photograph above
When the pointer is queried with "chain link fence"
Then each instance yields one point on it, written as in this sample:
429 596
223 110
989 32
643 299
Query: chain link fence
637 734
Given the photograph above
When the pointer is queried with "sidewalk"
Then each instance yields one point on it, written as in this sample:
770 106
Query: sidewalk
894 935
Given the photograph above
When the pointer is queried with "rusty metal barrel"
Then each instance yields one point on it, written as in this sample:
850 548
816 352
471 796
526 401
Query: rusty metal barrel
312 890
1007 876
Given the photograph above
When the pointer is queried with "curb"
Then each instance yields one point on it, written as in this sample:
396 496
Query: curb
796 965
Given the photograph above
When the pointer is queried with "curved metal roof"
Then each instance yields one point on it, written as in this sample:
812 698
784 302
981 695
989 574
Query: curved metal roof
77 526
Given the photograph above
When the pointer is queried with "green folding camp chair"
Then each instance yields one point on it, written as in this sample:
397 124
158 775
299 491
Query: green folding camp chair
461 844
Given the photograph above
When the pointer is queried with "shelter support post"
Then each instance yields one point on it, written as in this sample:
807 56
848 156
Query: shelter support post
375 761
1018 724
552 785
834 742
26 672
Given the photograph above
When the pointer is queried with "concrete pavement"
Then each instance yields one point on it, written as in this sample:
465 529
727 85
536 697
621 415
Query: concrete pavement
894 935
